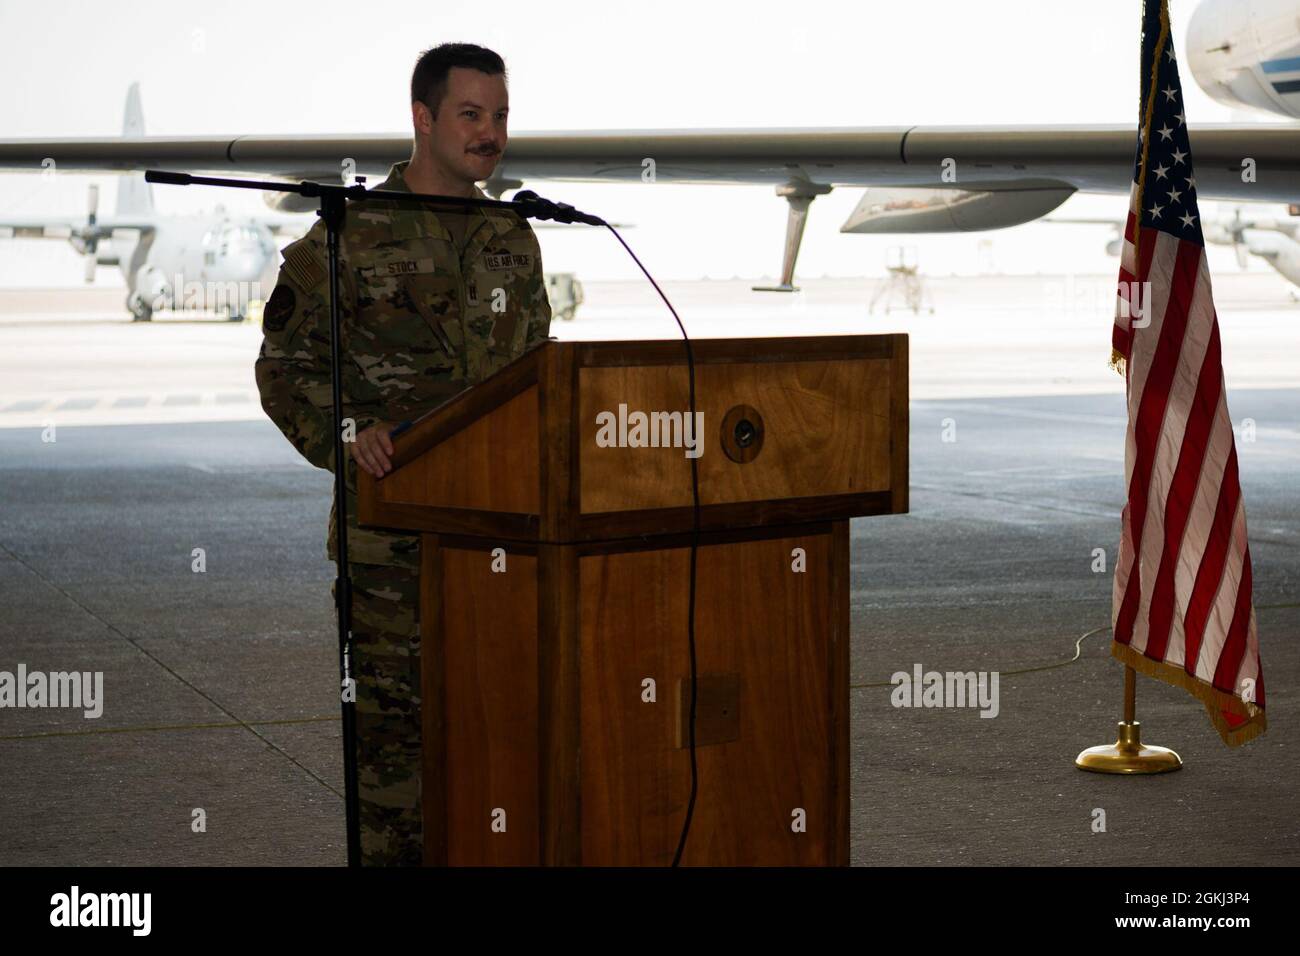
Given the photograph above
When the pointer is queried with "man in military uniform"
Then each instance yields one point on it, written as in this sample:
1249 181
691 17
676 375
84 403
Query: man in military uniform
432 303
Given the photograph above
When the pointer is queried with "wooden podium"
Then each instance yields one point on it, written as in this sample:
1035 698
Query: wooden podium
554 594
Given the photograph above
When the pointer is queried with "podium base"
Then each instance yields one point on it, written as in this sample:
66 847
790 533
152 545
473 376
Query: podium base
1128 755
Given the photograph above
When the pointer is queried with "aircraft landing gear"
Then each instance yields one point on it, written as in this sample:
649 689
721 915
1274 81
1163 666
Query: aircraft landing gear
139 308
799 196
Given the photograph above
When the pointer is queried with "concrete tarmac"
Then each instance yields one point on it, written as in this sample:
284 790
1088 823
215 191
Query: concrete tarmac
220 687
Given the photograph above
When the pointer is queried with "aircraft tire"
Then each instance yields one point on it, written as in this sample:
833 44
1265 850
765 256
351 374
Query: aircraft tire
140 312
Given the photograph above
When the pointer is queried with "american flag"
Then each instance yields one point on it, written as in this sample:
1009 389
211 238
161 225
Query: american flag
1182 591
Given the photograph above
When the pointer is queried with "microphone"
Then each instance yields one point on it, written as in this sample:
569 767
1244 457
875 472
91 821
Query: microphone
533 206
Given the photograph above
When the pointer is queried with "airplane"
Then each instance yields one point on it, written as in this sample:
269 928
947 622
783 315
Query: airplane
920 179
1272 239
1246 54
211 261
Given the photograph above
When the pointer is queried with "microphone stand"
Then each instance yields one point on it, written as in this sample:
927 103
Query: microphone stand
333 208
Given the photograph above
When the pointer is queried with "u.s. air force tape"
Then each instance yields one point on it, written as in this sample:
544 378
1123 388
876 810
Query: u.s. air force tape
278 308
508 260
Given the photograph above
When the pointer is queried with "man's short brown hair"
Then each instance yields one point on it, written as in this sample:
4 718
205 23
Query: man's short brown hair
429 79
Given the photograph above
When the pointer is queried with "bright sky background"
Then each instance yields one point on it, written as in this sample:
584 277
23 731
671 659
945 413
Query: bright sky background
244 67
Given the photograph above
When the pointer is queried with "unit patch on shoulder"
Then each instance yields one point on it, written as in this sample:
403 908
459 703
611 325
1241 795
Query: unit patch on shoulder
507 260
302 265
278 308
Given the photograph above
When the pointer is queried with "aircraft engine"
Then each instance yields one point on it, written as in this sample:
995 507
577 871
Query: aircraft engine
910 209
1248 54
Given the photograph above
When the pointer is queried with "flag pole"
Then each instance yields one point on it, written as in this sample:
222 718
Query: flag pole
1128 754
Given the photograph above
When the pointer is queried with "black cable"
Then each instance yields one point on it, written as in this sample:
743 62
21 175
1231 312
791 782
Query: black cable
695 541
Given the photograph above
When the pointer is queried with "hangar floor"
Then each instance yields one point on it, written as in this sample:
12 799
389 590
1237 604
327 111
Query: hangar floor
219 686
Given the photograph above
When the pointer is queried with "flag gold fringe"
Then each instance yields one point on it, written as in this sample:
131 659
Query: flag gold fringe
1117 360
1215 700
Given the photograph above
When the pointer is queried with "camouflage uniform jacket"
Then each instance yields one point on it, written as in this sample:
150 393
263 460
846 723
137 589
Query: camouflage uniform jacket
420 323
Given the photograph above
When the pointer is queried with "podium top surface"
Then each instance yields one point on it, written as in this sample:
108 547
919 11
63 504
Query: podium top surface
589 441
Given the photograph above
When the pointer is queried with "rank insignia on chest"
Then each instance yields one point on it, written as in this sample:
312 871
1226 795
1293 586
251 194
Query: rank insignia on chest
471 294
496 262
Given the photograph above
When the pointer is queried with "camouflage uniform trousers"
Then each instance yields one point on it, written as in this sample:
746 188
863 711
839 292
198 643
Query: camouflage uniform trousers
386 665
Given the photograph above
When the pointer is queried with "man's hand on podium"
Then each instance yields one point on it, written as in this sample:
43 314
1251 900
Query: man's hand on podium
372 448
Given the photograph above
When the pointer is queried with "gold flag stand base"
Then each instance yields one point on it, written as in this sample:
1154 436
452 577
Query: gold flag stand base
1128 754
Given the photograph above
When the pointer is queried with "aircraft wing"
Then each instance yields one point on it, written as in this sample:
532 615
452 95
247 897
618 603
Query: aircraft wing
33 227
923 178
993 158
